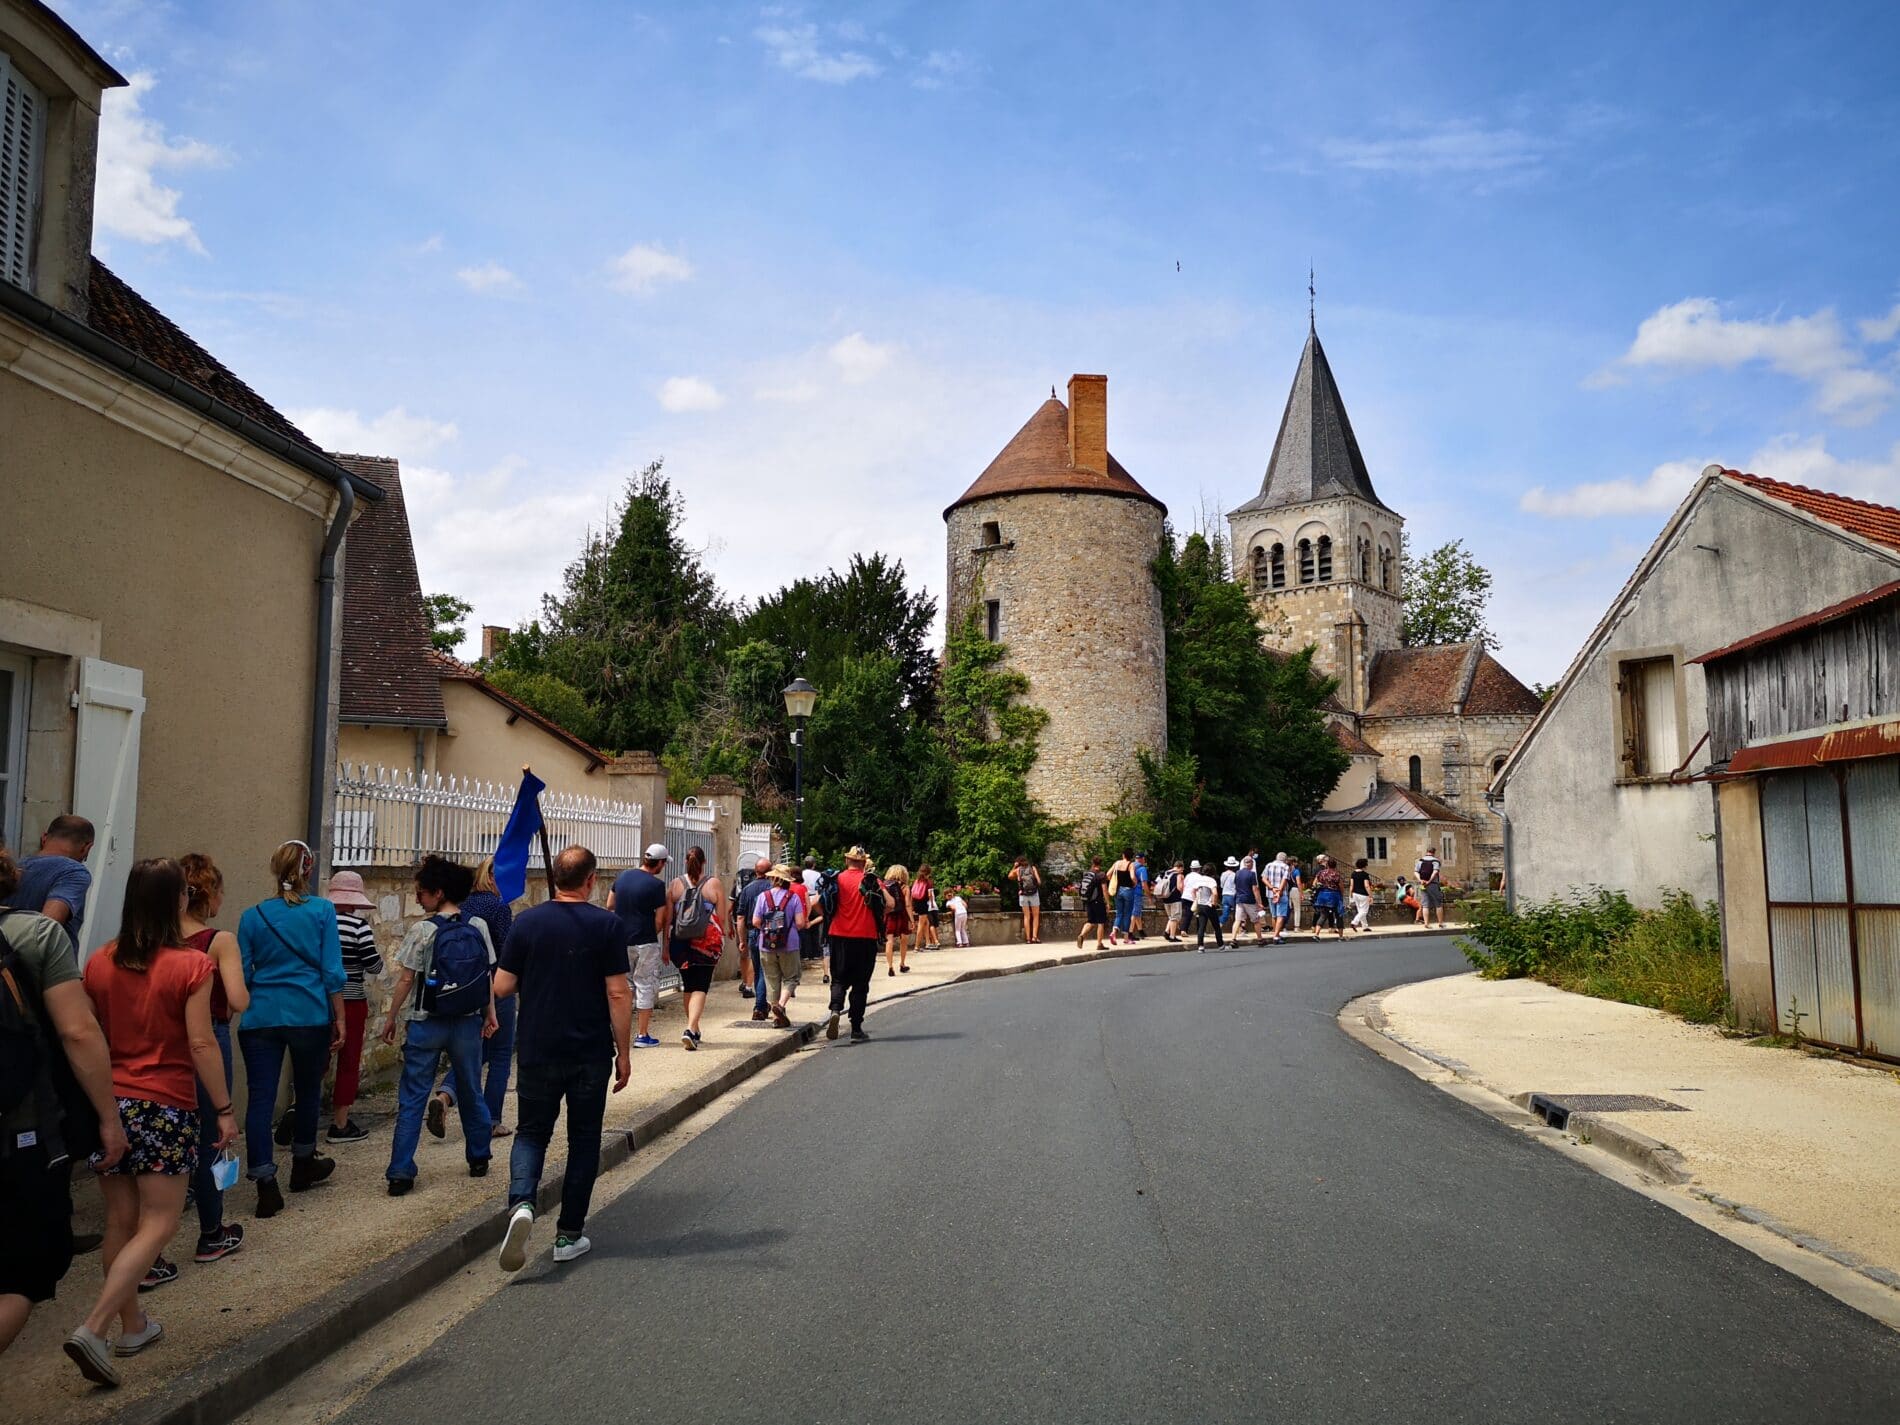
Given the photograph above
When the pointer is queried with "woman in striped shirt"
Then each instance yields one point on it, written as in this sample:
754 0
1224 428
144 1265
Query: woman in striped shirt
360 959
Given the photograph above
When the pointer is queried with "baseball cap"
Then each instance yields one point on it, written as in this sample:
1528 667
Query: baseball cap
658 852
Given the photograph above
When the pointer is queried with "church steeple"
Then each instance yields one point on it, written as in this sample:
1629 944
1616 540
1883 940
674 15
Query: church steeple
1315 456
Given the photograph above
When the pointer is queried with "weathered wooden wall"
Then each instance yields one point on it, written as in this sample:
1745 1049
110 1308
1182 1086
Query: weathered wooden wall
1840 672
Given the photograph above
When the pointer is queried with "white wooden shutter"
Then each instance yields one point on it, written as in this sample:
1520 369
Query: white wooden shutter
106 787
22 117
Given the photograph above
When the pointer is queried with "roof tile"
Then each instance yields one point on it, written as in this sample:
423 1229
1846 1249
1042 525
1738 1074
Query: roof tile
1037 459
1426 682
1880 523
387 673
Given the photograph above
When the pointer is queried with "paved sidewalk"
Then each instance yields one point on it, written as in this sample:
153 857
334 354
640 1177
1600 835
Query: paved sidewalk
1809 1143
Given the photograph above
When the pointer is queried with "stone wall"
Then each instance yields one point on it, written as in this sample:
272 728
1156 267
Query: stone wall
1455 758
1406 841
1079 615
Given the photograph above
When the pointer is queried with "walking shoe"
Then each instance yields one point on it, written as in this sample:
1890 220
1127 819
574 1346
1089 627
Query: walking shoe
903 969
567 1248
759 1014
270 1198
780 1019
831 1024
688 1039
745 990
93 1356
889 973
222 1243
514 1242
436 1116
158 1274
399 1187
130 1343
306 1173
285 1128
858 1036
350 1132
645 1041
478 1167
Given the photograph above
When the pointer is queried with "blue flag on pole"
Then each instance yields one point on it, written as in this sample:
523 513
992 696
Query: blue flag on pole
517 839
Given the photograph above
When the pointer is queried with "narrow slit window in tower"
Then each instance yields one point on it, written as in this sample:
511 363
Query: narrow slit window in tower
1365 561
993 624
1325 558
1414 770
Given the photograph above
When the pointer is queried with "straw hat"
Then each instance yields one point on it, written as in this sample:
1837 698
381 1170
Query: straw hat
782 873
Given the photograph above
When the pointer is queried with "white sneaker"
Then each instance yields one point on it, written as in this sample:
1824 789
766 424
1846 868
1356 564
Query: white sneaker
514 1242
131 1343
566 1249
93 1355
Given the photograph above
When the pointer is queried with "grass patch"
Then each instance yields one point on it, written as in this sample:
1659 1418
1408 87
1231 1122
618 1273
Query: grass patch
1596 943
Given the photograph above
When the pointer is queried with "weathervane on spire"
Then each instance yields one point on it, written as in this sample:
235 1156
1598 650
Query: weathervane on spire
1309 296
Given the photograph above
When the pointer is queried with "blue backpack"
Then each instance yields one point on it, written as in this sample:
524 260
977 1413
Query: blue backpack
458 980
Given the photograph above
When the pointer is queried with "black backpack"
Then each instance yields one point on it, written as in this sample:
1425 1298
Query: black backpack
828 893
22 1059
872 889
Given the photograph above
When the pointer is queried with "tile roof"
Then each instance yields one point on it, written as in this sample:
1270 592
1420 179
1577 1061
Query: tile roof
1880 523
119 313
1804 623
1432 681
1037 459
1391 802
458 671
387 673
1352 742
1315 455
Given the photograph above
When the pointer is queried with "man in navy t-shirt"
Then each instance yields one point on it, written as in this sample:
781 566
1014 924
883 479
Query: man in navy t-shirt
56 882
567 959
639 899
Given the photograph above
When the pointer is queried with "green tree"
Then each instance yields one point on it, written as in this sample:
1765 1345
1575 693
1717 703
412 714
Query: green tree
874 772
1250 756
445 613
555 700
1446 592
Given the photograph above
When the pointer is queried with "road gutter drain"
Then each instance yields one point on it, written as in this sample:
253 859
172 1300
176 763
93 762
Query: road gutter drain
1556 1109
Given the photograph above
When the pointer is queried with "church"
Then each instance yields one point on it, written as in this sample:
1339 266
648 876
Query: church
1426 728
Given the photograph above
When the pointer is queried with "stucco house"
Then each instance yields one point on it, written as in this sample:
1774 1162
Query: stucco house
1603 789
172 557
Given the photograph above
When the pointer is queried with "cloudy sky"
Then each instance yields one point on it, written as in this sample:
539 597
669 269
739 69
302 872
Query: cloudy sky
826 259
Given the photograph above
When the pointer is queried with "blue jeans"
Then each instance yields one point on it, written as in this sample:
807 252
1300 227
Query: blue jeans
423 1046
498 1058
204 1187
309 1048
758 971
1226 910
1125 909
538 1096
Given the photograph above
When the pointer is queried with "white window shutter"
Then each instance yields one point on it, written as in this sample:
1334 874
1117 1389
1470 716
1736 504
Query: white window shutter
22 118
106 787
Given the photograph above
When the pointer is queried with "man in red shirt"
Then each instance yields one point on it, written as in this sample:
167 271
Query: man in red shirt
854 938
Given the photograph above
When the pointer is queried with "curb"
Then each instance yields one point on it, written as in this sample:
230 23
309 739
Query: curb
238 1377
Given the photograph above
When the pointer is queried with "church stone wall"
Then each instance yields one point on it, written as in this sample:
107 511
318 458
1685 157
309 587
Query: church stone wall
1079 615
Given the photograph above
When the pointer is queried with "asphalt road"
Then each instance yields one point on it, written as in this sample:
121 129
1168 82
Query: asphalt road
1146 1189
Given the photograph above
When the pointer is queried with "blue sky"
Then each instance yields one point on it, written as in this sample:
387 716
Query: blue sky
826 259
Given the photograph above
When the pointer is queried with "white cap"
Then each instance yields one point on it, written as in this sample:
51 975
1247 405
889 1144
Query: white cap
658 852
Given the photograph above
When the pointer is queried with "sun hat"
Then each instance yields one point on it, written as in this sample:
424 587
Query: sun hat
781 872
1232 863
857 853
1194 865
346 892
658 852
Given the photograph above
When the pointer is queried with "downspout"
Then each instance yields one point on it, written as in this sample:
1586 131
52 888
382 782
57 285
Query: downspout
326 640
1496 805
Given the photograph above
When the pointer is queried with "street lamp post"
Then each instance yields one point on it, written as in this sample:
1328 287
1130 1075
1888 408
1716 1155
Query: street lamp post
800 698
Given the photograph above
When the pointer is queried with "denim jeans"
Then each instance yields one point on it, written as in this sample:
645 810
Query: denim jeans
204 1187
539 1091
1125 909
759 998
309 1048
498 1058
1226 910
424 1043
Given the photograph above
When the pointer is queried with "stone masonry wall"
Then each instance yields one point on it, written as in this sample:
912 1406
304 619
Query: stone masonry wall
1080 616
1455 757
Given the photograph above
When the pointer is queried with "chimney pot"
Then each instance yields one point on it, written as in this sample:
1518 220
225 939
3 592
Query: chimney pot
493 636
1088 423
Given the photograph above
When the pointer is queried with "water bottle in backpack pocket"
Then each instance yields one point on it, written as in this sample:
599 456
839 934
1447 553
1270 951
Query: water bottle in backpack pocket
459 971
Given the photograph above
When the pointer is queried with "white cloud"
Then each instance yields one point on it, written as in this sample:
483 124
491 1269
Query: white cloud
487 277
859 360
395 432
432 243
1694 335
1882 329
643 267
1458 147
796 48
941 68
1795 459
130 202
680 394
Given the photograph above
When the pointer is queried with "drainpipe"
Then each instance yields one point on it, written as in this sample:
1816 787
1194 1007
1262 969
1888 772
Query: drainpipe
326 640
1496 804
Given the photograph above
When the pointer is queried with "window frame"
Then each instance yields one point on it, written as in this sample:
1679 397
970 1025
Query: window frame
13 746
1376 849
1625 707
19 233
993 620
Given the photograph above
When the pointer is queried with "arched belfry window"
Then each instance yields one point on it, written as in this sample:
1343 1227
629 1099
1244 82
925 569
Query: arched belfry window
1365 561
1386 579
1325 558
1276 566
1415 774
1306 561
1261 573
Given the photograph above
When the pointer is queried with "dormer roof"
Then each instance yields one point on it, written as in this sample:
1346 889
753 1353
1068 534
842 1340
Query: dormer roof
1038 459
1315 456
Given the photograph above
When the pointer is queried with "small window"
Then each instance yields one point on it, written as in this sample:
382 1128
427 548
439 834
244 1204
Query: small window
1646 707
22 122
992 534
1415 774
1365 561
1276 563
1262 571
1306 561
1445 845
1386 581
993 621
1375 848
1325 558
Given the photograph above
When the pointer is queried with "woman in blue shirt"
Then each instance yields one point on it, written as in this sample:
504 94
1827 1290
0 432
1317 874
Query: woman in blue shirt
293 966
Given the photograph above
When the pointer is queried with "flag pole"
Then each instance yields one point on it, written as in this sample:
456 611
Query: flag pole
541 824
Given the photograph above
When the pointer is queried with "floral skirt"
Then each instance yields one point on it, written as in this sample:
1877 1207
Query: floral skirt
159 1138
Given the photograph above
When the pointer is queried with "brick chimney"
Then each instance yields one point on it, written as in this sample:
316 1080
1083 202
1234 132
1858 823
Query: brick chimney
493 636
1088 423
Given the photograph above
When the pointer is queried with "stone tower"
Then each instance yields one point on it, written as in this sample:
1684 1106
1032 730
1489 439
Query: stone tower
1317 546
1055 541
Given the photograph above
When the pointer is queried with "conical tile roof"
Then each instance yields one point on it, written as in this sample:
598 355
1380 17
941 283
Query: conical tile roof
1037 459
1315 456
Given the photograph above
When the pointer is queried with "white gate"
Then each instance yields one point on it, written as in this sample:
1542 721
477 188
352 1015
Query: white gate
689 825
106 787
755 840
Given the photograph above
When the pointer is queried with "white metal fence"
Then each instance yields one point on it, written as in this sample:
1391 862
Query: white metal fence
687 826
755 840
394 817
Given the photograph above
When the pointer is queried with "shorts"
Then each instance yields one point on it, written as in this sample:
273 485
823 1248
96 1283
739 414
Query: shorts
1174 912
1097 912
696 979
159 1139
1434 896
36 1224
1282 907
897 922
645 975
1251 914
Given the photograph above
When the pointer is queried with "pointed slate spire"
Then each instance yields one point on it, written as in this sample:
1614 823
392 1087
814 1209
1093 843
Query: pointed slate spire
1315 456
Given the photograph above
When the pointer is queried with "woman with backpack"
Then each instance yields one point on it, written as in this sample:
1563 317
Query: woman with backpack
695 899
1094 904
924 911
293 967
778 915
152 995
1028 881
897 923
